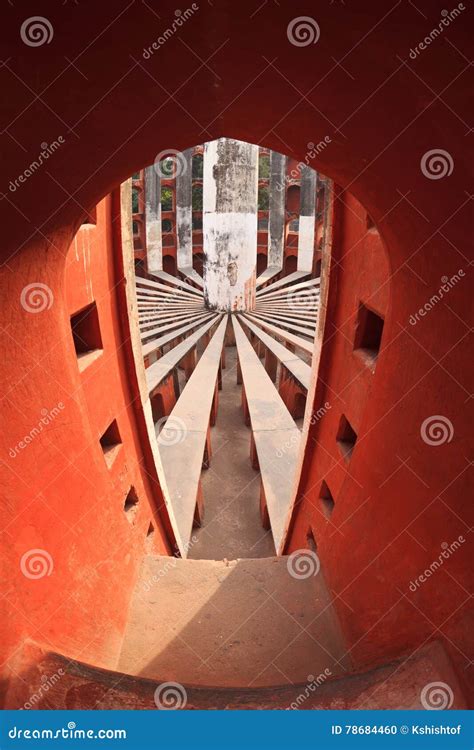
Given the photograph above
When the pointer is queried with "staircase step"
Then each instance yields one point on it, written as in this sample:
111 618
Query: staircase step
73 685
240 623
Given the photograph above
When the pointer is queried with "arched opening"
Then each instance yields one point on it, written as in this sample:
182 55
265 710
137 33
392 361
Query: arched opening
281 299
293 198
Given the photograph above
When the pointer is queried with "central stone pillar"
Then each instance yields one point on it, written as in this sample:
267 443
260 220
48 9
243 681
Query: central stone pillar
230 189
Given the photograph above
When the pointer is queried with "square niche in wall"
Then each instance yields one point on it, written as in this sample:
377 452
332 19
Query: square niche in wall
368 335
346 438
86 335
150 537
311 540
111 443
326 499
130 506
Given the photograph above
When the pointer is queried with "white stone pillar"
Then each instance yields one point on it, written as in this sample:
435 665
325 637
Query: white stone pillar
276 219
307 219
184 210
230 189
154 250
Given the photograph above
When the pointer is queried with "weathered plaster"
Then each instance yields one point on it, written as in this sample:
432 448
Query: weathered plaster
184 216
307 219
230 223
154 250
276 219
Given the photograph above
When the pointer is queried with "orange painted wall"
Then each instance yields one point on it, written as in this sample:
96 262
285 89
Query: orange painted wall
61 497
388 524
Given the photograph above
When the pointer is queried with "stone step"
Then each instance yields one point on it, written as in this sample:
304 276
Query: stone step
245 623
53 681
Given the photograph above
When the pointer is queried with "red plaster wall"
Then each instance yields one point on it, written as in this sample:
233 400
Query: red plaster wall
387 525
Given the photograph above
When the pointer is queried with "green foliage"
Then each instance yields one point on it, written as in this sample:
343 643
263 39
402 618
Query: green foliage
263 167
134 201
263 199
197 198
166 199
198 166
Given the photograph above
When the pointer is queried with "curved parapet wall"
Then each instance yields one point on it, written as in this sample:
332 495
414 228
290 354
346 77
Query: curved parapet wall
52 681
81 492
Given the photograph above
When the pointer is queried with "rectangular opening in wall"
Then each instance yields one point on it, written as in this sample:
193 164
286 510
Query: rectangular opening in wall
157 406
135 200
131 505
368 335
110 443
326 499
86 335
197 223
310 540
197 168
346 438
167 199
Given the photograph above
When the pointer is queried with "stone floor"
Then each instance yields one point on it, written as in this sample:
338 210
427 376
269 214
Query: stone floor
231 487
243 623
